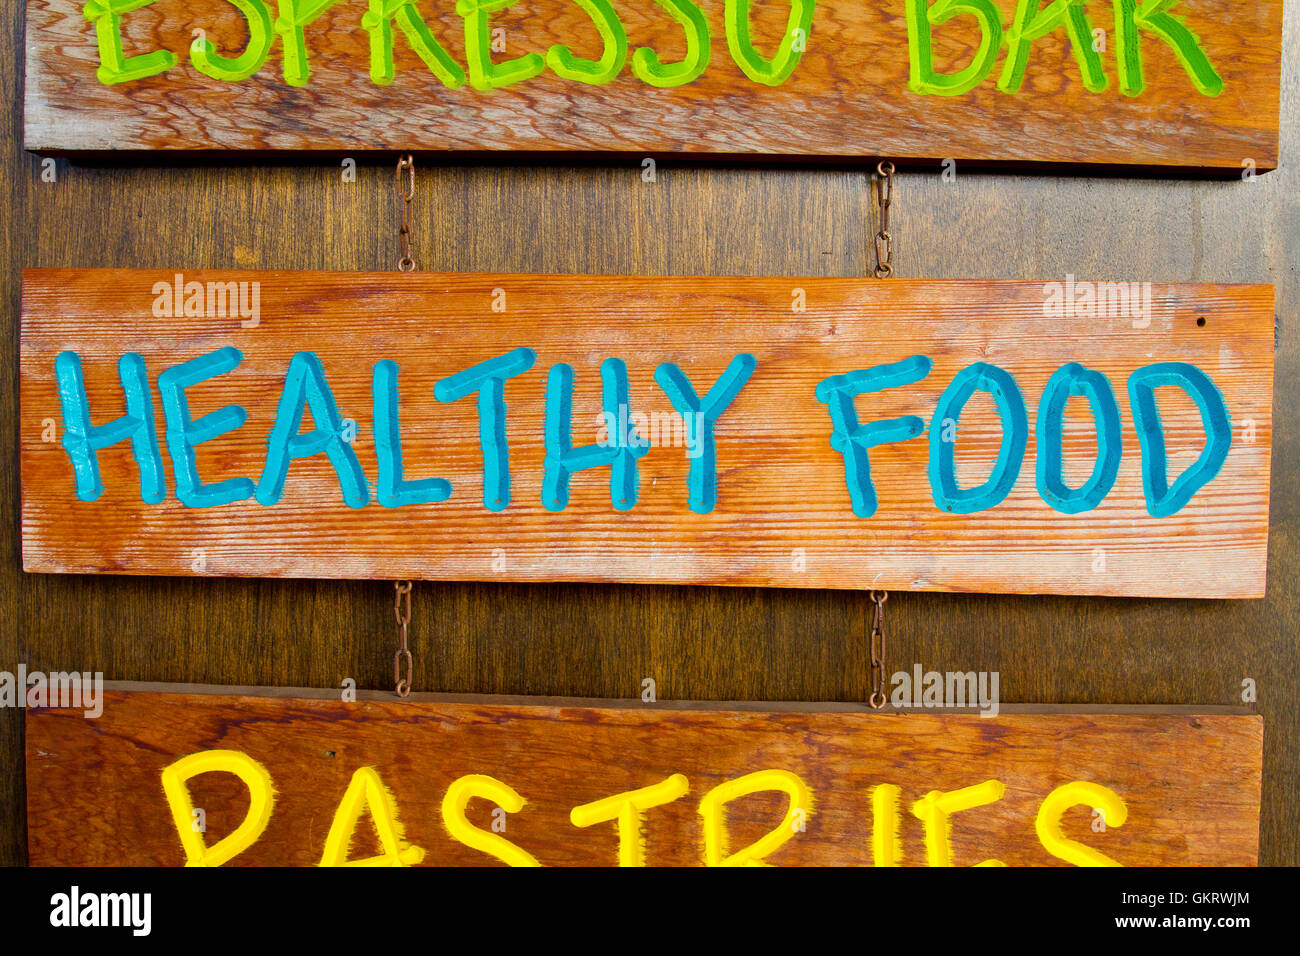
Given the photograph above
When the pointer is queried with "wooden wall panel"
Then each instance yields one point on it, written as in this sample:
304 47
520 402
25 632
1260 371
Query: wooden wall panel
603 640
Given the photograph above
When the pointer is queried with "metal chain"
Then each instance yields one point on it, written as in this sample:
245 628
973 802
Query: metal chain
884 239
877 641
402 662
884 269
406 195
402 658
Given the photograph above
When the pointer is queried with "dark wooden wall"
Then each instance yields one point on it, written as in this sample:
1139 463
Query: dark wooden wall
601 641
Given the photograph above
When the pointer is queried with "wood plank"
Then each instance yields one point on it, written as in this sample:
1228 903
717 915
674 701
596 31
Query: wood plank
852 93
1189 784
783 515
755 706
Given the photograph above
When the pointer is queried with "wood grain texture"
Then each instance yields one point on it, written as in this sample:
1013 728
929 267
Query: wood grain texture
783 517
588 640
1190 782
849 96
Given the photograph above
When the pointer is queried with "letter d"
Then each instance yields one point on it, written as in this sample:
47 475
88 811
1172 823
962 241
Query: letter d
261 795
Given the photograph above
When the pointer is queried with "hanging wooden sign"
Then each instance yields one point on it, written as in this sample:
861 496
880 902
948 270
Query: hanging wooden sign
260 777
1066 437
1153 83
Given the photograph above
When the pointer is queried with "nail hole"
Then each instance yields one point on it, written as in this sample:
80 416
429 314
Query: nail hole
1200 321
329 753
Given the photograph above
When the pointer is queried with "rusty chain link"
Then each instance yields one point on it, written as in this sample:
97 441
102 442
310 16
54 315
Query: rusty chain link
877 642
406 195
402 658
884 239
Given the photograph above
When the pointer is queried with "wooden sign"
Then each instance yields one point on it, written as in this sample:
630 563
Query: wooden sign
1151 83
1066 437
298 777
